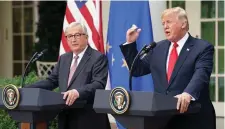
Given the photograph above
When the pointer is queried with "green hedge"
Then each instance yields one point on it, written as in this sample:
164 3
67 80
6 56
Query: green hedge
6 122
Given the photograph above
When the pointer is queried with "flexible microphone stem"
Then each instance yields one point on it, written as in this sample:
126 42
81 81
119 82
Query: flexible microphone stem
131 68
22 82
32 60
141 54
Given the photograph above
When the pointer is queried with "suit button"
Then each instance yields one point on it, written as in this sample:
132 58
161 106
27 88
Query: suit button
167 92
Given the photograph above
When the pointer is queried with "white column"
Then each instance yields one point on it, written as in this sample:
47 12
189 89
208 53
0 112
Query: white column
194 14
6 40
156 8
105 18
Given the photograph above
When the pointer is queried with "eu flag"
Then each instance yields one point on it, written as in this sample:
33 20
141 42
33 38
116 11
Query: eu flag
122 15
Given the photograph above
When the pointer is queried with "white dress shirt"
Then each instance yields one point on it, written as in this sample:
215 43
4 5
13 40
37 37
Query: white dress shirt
80 57
179 48
180 43
78 61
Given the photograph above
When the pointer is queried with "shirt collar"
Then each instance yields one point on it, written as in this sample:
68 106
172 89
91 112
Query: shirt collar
182 41
82 53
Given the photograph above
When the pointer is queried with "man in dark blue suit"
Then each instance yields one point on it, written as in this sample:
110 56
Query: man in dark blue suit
181 66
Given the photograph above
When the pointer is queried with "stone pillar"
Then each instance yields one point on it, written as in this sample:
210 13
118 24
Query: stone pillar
156 8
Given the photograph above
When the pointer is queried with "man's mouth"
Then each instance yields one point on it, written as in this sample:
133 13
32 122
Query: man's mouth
167 32
74 45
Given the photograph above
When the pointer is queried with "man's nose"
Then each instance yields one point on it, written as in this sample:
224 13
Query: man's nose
74 39
165 26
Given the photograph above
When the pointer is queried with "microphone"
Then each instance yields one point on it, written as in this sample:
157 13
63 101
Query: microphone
32 60
144 51
39 55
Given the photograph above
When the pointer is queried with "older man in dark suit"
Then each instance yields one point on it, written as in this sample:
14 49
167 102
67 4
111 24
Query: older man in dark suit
181 66
78 74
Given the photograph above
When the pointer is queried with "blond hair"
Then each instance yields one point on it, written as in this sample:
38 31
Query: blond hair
180 12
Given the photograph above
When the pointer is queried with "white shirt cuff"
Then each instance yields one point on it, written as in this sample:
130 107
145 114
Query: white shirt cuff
126 43
192 98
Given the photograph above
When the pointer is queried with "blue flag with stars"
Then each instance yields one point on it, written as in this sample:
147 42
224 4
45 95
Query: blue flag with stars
122 15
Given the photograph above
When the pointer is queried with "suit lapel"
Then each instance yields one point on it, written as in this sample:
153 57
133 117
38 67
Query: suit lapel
68 61
182 57
165 53
81 65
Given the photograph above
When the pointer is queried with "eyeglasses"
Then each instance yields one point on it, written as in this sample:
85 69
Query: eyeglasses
76 36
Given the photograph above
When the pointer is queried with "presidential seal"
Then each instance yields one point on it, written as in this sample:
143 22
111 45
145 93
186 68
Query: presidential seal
119 100
10 96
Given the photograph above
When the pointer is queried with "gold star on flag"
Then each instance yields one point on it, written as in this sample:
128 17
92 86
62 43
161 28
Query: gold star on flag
108 47
124 63
113 59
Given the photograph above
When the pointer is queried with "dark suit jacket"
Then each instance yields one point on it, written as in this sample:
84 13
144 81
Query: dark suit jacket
191 74
91 74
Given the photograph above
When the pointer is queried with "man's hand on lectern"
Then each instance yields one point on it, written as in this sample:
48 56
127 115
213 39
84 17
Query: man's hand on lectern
70 96
183 102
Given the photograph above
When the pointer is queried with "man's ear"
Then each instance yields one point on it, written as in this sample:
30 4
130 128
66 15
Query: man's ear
184 24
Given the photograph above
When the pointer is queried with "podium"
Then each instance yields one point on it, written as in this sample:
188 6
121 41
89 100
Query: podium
37 107
147 110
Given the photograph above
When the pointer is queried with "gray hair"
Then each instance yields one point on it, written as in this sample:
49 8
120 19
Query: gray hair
181 13
74 24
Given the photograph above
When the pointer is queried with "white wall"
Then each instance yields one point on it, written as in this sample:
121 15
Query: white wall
105 18
156 8
6 65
